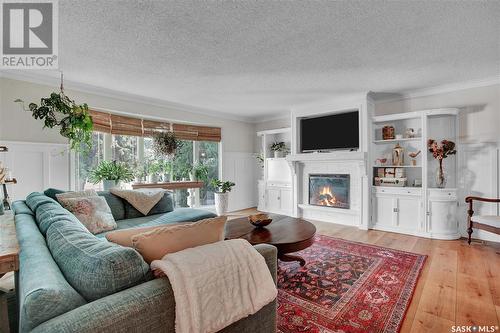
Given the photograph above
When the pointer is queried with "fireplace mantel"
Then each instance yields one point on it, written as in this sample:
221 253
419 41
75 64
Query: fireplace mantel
334 156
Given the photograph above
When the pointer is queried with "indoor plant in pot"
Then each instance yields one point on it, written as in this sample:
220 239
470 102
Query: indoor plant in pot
199 172
154 170
279 149
165 144
221 195
111 173
440 152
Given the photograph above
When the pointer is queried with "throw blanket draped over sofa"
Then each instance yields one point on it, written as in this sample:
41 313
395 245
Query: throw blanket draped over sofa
217 284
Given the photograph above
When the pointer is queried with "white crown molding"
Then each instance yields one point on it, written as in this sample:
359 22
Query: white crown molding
442 89
105 92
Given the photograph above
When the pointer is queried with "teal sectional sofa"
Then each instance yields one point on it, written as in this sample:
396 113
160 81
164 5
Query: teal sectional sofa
72 281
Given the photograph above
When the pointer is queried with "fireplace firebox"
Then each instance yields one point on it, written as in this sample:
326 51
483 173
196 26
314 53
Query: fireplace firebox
329 190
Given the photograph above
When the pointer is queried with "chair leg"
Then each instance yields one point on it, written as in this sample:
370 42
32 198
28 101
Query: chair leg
470 212
4 314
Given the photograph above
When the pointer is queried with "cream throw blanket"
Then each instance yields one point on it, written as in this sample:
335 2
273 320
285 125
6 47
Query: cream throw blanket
217 284
143 199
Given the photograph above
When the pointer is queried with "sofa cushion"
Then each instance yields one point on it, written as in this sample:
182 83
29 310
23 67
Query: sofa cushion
43 290
52 192
155 244
115 204
123 237
165 205
20 207
93 212
95 268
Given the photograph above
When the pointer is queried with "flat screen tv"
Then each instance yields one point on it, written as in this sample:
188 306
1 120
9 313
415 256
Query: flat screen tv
332 132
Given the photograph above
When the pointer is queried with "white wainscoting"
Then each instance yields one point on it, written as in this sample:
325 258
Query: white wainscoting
240 168
478 176
36 166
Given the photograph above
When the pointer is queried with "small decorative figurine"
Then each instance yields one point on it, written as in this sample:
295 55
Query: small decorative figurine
388 132
409 133
413 156
398 155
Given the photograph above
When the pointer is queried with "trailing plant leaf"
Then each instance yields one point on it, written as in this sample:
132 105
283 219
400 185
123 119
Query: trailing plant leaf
74 121
111 170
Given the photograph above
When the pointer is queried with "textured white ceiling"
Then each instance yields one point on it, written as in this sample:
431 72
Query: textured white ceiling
253 58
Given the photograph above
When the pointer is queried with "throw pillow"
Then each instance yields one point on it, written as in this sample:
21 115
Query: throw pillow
155 244
77 194
124 237
143 200
93 212
51 192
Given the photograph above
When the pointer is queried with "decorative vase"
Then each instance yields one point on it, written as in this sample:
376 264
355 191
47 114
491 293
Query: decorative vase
221 202
440 176
109 184
278 154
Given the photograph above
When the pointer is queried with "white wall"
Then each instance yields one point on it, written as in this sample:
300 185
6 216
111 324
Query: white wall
479 142
17 125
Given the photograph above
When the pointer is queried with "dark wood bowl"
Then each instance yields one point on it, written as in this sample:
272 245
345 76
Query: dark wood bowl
260 220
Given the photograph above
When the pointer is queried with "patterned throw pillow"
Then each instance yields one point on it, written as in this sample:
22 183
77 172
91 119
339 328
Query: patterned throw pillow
93 212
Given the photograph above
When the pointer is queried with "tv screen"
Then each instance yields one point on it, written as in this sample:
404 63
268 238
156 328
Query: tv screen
336 131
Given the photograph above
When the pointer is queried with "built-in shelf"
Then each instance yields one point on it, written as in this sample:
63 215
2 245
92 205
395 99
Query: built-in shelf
397 166
396 140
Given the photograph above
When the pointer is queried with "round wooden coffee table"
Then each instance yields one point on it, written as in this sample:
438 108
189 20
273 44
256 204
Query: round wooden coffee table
288 234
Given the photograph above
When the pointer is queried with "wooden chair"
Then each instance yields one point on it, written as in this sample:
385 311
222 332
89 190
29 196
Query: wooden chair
489 223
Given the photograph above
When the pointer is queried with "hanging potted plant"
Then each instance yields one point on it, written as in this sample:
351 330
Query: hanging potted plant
165 144
440 152
110 173
221 195
73 120
279 149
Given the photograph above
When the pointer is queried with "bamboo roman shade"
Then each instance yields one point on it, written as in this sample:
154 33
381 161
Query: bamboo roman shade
124 125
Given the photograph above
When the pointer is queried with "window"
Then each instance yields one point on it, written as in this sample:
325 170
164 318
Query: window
86 162
138 153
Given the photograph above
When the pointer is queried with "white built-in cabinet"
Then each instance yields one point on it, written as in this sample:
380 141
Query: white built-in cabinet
418 208
275 185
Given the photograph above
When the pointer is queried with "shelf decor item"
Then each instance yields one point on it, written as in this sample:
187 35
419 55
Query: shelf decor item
388 132
440 152
398 155
409 133
413 155
279 149
111 173
259 220
221 195
73 120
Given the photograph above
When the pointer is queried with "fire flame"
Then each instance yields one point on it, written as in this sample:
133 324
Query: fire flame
326 197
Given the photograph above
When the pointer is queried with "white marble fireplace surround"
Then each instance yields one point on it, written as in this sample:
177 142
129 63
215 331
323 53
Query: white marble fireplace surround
330 163
339 162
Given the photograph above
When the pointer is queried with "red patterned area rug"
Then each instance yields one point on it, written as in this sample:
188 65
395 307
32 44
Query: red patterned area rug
346 287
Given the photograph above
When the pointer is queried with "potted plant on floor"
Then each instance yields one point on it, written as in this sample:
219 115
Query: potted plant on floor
111 173
279 149
221 195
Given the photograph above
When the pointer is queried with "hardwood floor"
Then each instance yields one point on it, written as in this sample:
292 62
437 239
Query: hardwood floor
459 285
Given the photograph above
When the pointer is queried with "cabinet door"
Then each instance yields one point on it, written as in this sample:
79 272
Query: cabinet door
286 201
262 197
384 211
273 200
443 219
409 213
